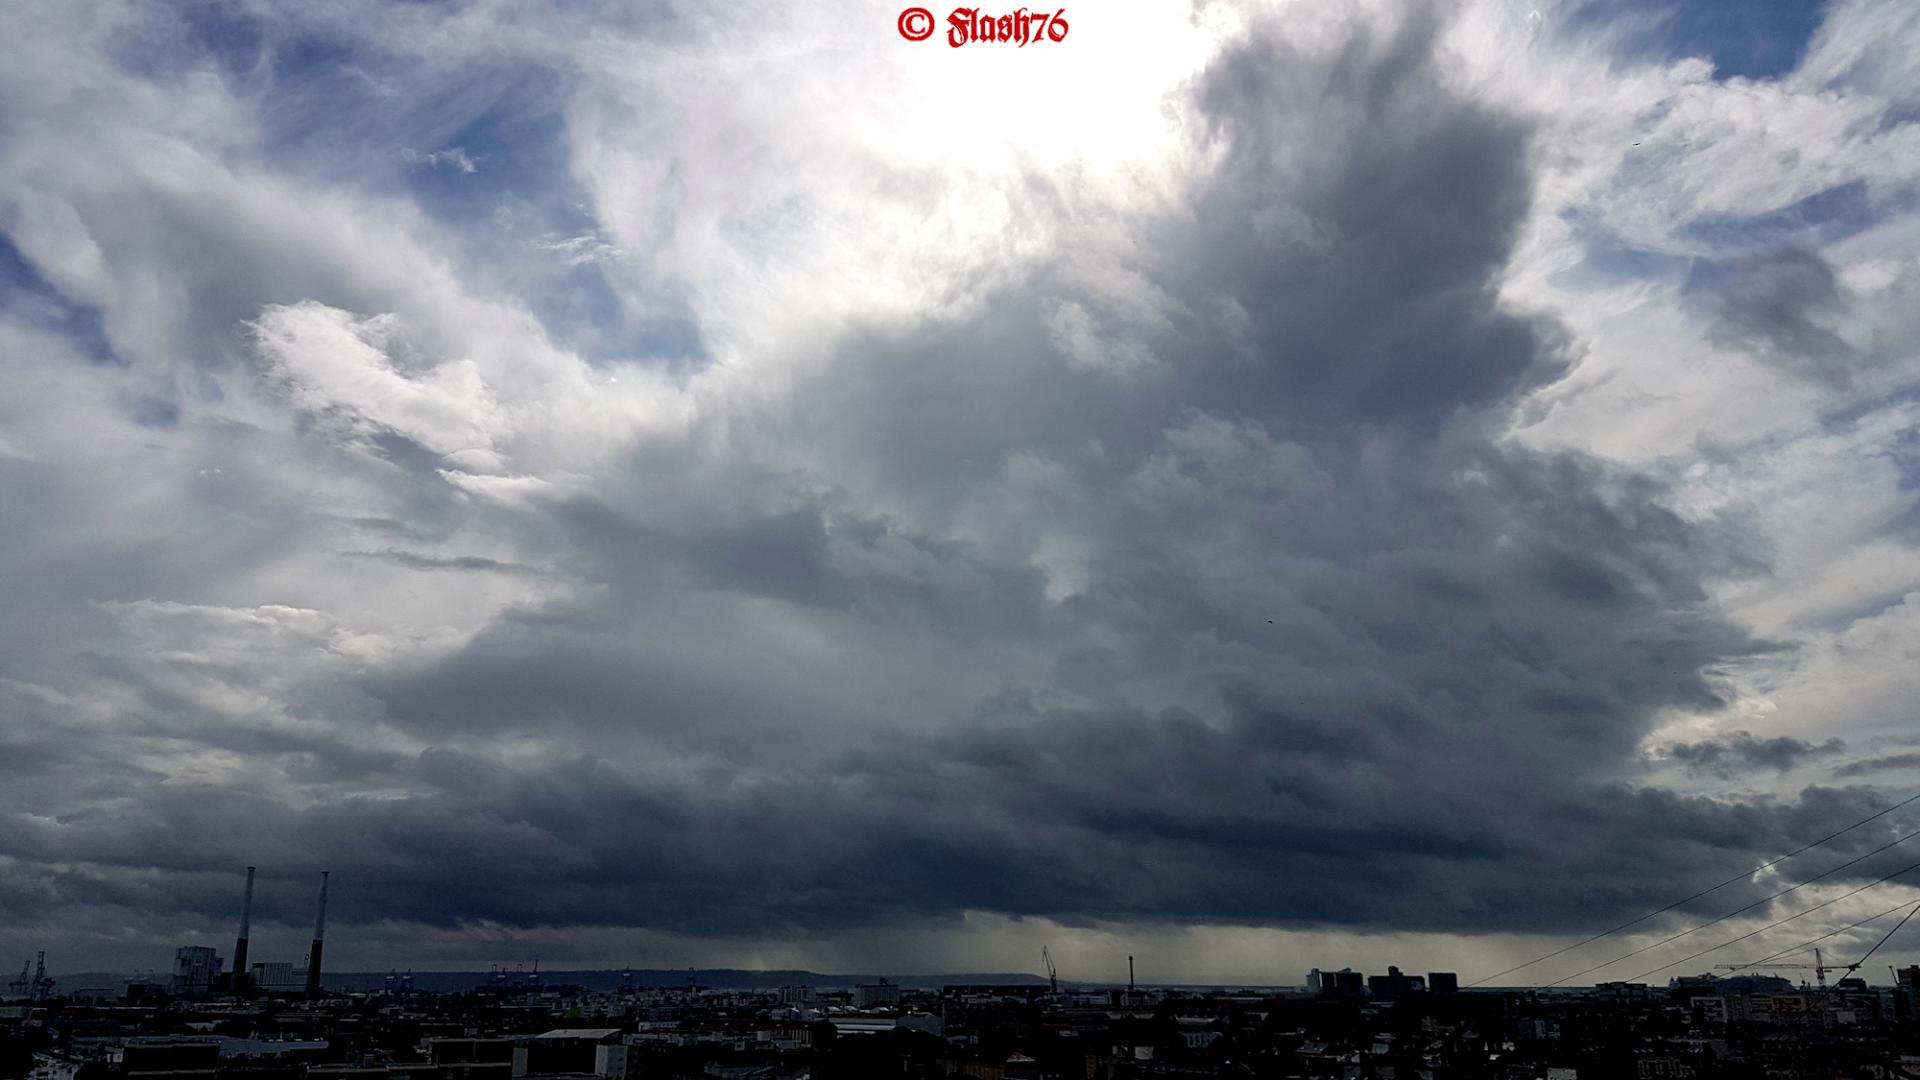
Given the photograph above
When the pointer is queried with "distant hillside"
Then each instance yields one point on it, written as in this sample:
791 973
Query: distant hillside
718 978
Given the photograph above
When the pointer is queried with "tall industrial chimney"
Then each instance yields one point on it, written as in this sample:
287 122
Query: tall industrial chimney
319 939
240 972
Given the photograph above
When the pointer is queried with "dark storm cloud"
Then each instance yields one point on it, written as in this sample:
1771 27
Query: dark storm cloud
1739 753
917 840
1223 605
1409 661
1384 163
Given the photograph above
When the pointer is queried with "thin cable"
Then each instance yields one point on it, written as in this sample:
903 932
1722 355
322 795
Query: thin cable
1731 914
1698 895
1771 925
1855 966
1811 942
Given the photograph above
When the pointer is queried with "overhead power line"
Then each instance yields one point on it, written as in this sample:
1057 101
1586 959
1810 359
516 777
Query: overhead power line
1703 892
1738 911
1776 922
1811 942
1855 966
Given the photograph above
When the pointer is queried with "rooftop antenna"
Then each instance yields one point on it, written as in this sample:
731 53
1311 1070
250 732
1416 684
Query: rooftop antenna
240 969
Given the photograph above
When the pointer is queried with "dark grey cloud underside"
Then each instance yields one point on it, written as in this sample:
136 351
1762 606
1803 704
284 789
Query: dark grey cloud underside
1781 305
1739 752
1869 766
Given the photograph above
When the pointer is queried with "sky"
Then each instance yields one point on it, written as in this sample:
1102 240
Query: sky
1250 486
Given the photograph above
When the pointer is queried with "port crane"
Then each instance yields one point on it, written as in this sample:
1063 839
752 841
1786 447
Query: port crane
42 982
1053 977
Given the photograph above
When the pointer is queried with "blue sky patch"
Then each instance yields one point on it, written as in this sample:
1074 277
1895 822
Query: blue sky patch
27 295
1817 220
1756 39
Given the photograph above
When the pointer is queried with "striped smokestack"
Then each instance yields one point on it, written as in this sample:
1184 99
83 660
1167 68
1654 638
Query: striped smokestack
240 986
319 939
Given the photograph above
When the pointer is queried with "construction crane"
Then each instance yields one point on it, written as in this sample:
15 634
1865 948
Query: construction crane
1819 967
1053 977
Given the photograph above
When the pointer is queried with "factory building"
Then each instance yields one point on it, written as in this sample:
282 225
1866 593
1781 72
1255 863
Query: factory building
278 978
196 971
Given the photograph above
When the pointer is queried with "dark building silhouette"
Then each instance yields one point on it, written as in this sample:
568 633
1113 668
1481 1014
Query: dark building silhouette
319 941
1394 985
1342 983
241 972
